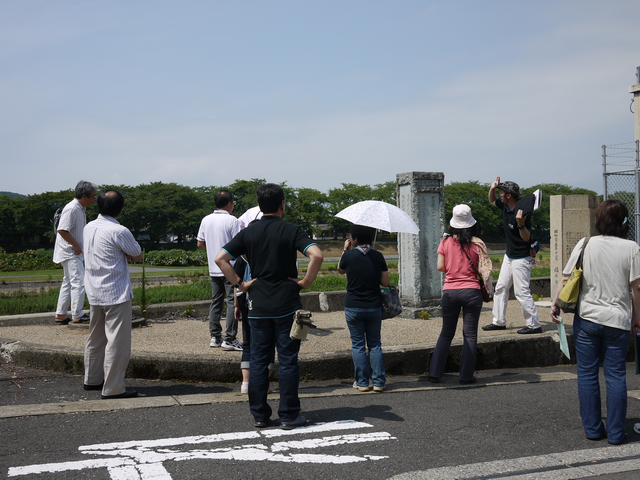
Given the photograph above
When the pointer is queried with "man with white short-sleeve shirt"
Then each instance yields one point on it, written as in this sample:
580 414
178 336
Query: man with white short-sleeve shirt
216 230
68 252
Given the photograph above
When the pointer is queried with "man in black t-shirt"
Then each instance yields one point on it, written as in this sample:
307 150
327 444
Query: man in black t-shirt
271 247
517 263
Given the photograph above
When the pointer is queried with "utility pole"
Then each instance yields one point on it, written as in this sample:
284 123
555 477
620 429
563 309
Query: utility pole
635 89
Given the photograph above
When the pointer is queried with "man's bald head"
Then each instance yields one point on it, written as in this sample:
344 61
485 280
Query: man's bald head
110 202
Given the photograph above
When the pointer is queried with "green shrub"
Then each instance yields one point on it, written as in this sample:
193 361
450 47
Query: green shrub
40 259
176 258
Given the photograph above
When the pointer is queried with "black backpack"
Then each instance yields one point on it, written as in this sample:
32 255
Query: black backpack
56 220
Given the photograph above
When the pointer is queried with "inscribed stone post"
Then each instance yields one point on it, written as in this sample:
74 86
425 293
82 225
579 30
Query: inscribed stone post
421 195
572 217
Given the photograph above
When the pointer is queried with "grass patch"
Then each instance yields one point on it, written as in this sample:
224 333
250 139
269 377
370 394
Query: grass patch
332 283
21 302
200 290
46 275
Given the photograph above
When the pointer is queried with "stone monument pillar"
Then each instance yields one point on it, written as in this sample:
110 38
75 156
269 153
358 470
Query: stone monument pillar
421 195
572 217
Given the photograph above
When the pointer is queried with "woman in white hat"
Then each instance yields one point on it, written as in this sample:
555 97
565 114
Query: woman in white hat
461 255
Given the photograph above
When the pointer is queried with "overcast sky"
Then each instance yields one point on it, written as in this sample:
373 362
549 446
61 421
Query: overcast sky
314 93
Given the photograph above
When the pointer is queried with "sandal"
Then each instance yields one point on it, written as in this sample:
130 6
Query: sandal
63 321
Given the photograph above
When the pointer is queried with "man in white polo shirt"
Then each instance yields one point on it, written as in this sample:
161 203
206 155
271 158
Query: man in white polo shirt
216 230
108 246
68 252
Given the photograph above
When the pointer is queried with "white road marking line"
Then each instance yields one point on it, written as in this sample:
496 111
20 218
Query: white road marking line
167 442
143 460
316 428
331 441
555 466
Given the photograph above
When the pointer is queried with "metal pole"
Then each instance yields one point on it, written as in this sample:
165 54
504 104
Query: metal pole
636 215
604 170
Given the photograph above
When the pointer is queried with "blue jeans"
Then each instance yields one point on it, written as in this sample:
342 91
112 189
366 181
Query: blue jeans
267 334
364 325
469 300
593 343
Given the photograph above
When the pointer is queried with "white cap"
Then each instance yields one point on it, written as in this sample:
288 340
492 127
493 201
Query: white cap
462 217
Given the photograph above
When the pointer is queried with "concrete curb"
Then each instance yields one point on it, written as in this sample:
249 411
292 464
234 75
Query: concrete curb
507 351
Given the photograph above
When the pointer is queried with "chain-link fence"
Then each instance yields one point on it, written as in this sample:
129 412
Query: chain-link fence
621 172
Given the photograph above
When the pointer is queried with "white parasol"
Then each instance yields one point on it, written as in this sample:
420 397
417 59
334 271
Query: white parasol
380 215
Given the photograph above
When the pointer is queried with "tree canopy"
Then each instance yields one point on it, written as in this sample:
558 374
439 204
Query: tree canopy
168 212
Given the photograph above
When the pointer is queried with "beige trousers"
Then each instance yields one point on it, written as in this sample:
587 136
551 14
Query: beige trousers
108 348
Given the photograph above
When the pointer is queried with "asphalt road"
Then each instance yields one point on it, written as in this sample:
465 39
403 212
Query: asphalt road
526 420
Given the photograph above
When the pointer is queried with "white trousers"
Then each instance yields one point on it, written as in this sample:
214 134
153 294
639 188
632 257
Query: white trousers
72 288
518 274
108 348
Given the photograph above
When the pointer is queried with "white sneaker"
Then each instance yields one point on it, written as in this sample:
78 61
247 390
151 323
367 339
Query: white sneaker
215 342
234 345
636 428
362 389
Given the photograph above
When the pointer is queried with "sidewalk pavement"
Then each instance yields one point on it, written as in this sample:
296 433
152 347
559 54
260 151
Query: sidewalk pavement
175 347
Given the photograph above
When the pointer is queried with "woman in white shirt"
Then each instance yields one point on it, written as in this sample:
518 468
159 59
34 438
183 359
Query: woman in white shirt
606 315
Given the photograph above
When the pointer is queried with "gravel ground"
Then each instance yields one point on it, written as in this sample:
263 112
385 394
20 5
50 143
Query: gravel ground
184 335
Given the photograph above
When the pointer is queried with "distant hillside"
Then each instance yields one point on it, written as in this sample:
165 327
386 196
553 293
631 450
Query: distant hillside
13 195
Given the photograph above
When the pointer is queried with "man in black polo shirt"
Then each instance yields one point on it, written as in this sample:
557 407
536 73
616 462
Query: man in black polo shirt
517 263
271 247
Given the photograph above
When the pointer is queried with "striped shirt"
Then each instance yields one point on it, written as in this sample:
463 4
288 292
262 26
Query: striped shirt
72 220
106 274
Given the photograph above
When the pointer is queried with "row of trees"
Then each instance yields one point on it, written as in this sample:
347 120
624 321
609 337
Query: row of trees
159 211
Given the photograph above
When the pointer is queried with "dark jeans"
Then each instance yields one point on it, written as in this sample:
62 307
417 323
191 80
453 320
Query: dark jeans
245 361
593 343
267 334
220 286
469 300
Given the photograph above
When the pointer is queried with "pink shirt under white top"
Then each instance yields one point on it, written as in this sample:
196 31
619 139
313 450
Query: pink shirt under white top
216 230
106 274
459 272
72 219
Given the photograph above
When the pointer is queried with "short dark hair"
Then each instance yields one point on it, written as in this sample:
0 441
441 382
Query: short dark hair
270 197
223 198
612 218
363 234
85 189
110 202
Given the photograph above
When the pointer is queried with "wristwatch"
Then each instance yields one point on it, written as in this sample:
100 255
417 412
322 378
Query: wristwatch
237 285
521 227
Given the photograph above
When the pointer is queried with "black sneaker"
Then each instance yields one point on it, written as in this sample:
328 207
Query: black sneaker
493 326
530 330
